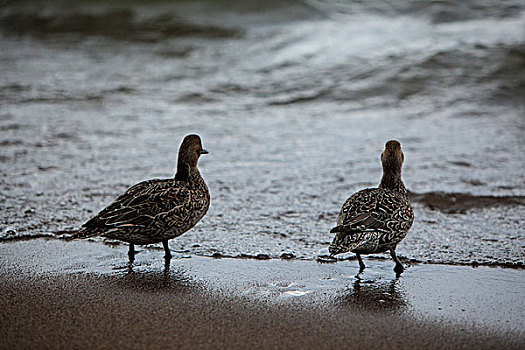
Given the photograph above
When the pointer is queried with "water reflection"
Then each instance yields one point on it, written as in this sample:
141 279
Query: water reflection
176 281
374 295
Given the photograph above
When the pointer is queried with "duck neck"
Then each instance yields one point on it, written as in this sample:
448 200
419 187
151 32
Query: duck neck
185 172
392 181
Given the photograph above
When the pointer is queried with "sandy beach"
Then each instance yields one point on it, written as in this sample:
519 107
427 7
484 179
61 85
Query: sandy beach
82 295
295 101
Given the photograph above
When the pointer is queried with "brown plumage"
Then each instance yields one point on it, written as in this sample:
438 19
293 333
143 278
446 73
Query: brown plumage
375 220
156 210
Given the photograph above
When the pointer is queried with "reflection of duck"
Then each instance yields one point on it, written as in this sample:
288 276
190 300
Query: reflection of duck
156 210
156 281
375 220
375 295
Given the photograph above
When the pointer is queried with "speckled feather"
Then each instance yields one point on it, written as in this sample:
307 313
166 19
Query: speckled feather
154 210
374 220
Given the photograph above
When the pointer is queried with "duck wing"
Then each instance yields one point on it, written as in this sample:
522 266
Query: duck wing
361 222
375 210
139 206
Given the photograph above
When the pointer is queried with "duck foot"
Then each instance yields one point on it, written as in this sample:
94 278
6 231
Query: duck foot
398 269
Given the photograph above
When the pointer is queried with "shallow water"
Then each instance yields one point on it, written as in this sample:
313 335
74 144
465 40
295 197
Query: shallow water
294 102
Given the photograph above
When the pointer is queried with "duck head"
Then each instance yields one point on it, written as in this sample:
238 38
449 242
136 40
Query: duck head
190 150
392 157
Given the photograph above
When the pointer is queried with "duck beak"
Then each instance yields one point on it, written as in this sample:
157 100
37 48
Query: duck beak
204 151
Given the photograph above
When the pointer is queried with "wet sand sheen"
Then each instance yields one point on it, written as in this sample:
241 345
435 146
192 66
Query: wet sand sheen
80 295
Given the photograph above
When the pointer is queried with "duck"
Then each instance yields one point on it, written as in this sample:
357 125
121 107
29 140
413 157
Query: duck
156 210
376 220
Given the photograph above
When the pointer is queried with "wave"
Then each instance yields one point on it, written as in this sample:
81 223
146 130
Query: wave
122 23
144 20
437 11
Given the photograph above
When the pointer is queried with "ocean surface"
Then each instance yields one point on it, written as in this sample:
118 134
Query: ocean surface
293 99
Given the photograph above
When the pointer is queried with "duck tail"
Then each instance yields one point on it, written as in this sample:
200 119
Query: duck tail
344 228
344 240
85 232
69 235
337 229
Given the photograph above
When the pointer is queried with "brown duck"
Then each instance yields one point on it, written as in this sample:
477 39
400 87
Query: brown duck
375 220
156 210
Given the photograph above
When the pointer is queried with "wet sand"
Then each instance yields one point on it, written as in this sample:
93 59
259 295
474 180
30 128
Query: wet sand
81 294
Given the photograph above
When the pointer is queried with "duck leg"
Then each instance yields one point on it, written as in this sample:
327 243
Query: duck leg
399 267
131 253
167 256
362 266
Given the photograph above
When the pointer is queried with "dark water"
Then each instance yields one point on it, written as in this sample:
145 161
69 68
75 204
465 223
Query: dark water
294 100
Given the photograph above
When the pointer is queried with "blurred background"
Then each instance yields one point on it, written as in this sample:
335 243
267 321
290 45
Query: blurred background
293 99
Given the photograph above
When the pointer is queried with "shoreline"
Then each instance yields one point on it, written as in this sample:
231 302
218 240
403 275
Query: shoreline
83 295
349 257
